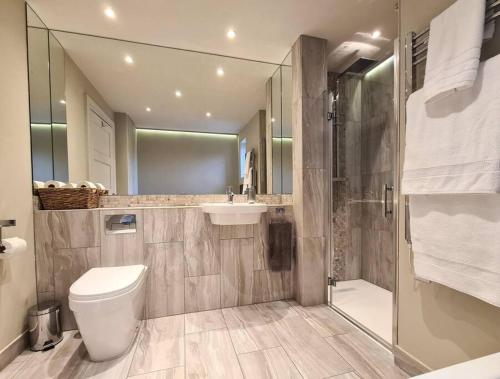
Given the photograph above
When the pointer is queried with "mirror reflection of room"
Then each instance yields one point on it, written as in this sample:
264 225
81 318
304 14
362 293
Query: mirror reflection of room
156 120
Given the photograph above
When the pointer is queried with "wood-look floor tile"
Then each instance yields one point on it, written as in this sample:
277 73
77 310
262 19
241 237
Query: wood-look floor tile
11 370
324 319
211 355
349 375
249 331
171 373
55 363
268 364
204 321
312 355
161 345
366 356
276 310
117 368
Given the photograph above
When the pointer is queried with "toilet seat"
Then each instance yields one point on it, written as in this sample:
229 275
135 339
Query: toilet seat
102 283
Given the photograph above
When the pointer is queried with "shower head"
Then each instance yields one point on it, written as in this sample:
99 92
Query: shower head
360 66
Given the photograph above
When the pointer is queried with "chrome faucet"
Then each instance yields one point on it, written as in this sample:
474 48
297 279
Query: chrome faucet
229 194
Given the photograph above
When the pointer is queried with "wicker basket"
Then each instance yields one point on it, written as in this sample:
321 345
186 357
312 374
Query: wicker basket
70 198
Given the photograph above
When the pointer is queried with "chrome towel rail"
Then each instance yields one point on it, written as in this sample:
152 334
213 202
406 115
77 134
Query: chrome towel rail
421 40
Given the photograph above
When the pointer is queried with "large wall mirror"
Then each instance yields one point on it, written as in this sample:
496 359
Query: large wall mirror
143 119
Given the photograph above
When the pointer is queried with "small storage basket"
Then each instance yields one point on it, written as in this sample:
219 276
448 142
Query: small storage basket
70 198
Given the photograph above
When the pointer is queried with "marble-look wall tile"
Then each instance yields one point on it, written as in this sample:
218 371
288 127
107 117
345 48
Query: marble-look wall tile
271 286
202 293
44 252
236 231
314 137
165 283
309 82
124 248
236 272
309 66
377 247
311 274
69 265
163 225
201 244
73 229
353 257
313 204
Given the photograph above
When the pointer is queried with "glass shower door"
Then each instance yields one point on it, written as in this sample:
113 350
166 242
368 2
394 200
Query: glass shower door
362 251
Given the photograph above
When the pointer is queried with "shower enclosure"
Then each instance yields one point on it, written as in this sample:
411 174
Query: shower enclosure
363 223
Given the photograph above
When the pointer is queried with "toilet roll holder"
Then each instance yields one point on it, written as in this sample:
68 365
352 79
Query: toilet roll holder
5 224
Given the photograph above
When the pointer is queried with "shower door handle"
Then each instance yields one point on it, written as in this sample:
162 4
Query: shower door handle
388 205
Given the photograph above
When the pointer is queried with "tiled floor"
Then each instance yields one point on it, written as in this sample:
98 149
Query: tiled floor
366 303
270 340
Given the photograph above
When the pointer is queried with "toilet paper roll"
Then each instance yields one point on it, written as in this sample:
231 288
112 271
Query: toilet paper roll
100 186
38 185
13 246
54 184
86 184
70 185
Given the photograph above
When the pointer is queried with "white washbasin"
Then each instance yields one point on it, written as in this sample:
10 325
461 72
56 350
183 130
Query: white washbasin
234 214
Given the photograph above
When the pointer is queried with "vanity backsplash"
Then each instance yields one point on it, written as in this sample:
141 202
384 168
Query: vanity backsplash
193 264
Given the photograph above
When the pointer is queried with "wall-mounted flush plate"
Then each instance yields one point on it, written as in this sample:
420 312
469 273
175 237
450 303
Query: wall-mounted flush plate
120 224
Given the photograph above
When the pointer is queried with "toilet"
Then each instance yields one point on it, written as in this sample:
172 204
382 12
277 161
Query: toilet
108 304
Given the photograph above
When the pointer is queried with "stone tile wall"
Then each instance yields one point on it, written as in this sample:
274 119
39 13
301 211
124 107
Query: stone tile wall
193 265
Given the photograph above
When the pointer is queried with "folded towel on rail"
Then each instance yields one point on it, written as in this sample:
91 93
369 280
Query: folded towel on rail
454 146
454 48
464 254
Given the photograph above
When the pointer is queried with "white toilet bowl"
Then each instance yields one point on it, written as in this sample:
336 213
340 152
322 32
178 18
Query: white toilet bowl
108 303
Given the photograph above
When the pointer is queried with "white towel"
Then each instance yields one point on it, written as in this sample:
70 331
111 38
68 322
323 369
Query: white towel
54 184
37 184
70 185
247 180
454 48
454 146
456 242
85 184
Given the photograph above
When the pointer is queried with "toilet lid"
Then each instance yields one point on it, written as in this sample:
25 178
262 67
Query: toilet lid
105 282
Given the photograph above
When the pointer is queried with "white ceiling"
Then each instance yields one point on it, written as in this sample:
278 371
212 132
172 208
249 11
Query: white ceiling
266 29
155 75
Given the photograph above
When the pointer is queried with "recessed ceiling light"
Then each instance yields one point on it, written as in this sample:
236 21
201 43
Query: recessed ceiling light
208 114
273 119
148 109
178 93
109 12
376 34
128 59
62 101
220 71
231 34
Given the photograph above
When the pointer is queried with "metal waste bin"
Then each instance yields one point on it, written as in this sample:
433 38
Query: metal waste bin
44 325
